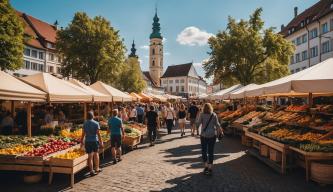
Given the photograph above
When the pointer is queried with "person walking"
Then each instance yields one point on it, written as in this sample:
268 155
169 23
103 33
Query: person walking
140 113
170 116
93 141
210 129
152 123
123 114
193 112
181 119
133 115
116 131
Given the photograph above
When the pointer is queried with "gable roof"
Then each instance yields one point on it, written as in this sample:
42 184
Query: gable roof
177 70
45 30
28 31
310 15
149 78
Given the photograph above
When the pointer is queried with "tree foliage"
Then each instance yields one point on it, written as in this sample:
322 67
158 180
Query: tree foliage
131 79
92 50
11 38
247 53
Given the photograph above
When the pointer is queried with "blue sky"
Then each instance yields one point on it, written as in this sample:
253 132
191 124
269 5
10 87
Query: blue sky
185 24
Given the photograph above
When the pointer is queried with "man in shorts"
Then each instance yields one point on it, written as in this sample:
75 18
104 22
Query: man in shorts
117 132
193 112
93 141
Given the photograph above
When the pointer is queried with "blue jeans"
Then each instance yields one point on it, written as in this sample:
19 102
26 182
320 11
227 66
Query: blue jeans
207 146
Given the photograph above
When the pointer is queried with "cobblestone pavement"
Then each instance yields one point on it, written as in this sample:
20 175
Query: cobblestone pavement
174 165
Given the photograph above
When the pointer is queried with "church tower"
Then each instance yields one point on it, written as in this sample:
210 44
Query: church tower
156 52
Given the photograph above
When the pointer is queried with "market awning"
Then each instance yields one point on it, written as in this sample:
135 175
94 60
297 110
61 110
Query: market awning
136 96
58 90
221 94
145 97
158 97
117 95
317 79
240 93
12 88
97 96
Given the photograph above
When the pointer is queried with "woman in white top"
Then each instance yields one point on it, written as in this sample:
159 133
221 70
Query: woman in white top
169 116
133 114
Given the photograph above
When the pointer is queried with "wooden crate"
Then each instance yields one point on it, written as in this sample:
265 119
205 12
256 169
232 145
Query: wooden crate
246 141
131 141
264 150
67 162
322 172
275 155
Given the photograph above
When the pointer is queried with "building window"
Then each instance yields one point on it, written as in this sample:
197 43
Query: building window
297 70
51 68
292 60
34 66
153 51
314 52
51 57
177 89
170 89
298 58
41 55
26 52
294 42
26 64
299 40
304 38
170 81
324 28
153 63
177 81
34 53
313 33
331 24
292 71
182 89
58 70
182 81
303 68
325 47
165 81
40 67
304 55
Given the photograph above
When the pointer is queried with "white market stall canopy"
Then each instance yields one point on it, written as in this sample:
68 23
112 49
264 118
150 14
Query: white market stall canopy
116 94
317 79
97 96
158 97
58 90
221 94
12 88
240 93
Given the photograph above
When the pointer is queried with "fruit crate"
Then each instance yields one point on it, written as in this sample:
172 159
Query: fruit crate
43 158
131 141
275 155
264 150
67 162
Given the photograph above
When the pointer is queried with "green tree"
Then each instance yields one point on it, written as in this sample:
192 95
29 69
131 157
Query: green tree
11 38
247 53
131 79
92 50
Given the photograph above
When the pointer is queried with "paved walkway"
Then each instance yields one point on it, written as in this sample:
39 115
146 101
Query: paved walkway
174 165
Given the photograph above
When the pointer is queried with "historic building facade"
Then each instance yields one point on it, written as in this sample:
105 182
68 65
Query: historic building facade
39 52
312 34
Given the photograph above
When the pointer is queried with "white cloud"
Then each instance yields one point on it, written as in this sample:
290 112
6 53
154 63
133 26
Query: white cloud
146 56
167 53
164 40
193 36
146 47
200 64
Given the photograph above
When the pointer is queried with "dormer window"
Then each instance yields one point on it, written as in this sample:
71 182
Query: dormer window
302 24
153 63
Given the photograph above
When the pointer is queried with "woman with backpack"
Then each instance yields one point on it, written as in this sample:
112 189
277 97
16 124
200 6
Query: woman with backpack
210 130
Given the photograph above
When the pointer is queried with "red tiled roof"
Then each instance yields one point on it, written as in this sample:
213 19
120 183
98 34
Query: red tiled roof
32 36
47 31
177 70
318 10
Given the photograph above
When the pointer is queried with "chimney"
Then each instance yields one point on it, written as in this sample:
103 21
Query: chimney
282 27
56 24
295 11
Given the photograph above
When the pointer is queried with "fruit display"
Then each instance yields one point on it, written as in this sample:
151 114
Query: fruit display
224 114
296 108
248 117
72 154
141 127
105 136
316 147
324 109
76 134
132 132
233 115
287 134
18 149
50 147
11 141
